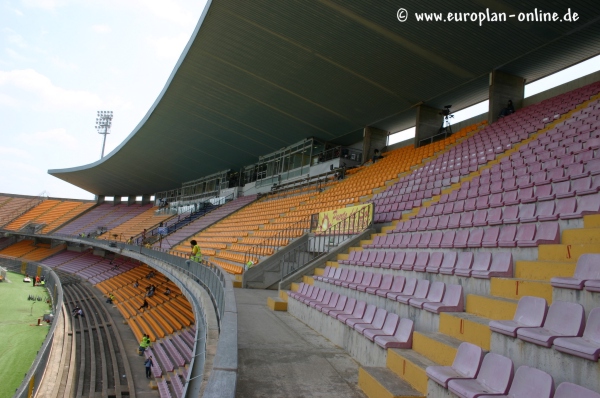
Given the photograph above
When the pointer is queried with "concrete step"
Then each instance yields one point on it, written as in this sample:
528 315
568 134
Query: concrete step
496 308
343 256
435 346
383 383
319 271
365 242
565 253
466 327
581 236
309 280
276 304
543 270
410 366
591 221
332 264
514 289
384 230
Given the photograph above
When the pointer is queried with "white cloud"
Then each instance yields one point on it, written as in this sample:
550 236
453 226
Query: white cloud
50 97
14 38
9 151
44 4
101 28
54 137
16 56
168 47
7 100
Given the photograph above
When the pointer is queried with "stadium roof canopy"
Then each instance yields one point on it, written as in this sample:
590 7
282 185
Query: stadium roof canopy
259 75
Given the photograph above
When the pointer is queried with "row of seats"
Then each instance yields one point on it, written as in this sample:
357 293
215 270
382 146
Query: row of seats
510 235
563 326
106 216
434 297
473 374
376 324
479 265
587 274
13 206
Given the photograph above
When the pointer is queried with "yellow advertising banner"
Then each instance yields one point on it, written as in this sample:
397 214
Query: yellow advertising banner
347 220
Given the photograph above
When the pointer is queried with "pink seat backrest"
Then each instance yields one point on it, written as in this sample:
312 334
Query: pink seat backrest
527 210
367 278
410 258
496 372
531 382
436 292
358 277
565 318
422 259
422 288
526 232
570 390
468 359
379 258
465 260
502 261
448 238
399 258
507 233
371 257
531 311
592 329
436 259
548 231
344 274
453 296
389 258
369 314
482 261
405 330
341 302
379 318
350 276
391 323
588 267
410 286
449 260
359 309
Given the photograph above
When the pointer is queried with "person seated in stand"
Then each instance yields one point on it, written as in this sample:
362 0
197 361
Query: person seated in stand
167 292
144 305
78 312
376 155
508 110
150 293
110 298
136 284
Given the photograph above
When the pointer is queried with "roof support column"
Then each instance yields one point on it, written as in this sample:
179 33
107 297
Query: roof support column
100 199
116 200
145 199
504 87
130 200
428 124
373 138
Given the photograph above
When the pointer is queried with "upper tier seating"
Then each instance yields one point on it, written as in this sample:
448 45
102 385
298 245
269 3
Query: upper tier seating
105 215
136 224
12 207
564 144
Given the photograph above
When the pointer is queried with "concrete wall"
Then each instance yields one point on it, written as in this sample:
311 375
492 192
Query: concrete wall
504 87
427 123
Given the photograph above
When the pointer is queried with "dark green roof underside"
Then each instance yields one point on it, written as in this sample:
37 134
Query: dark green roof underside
260 75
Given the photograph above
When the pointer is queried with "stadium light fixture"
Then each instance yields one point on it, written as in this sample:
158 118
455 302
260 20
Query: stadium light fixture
103 123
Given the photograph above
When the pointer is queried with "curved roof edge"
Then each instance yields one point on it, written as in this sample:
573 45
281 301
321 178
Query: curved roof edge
152 108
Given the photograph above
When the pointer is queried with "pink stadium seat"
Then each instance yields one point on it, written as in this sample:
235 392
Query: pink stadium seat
367 316
490 237
454 220
466 365
402 338
494 377
501 266
376 323
507 236
481 262
544 192
461 238
386 283
388 259
588 267
587 346
420 262
510 214
337 303
374 283
448 239
453 301
435 295
563 320
387 329
475 238
358 277
347 310
396 287
425 239
531 313
449 264
357 313
398 260
409 289
329 301
529 382
570 390
365 281
421 291
547 233
588 204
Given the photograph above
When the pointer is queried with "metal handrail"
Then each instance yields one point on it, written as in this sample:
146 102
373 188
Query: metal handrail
323 241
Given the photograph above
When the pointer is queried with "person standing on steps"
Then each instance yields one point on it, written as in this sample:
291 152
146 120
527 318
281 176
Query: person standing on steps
148 364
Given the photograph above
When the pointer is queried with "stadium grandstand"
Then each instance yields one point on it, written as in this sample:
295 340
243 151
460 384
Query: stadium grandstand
462 262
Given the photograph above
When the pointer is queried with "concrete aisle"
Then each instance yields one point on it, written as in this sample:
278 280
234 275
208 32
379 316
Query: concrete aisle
279 356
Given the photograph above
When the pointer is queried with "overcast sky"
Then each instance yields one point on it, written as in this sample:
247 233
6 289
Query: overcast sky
63 60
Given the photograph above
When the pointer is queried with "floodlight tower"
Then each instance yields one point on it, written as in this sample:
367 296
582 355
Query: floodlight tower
103 123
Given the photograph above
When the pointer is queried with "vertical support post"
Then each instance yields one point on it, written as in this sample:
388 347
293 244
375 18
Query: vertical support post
427 125
373 138
504 87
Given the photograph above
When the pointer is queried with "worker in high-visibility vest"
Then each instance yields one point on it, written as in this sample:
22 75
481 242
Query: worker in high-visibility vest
196 252
249 264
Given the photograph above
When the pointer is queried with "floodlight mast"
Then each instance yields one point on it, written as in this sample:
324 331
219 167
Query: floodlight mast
103 123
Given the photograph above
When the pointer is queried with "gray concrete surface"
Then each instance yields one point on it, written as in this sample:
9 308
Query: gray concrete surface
279 356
